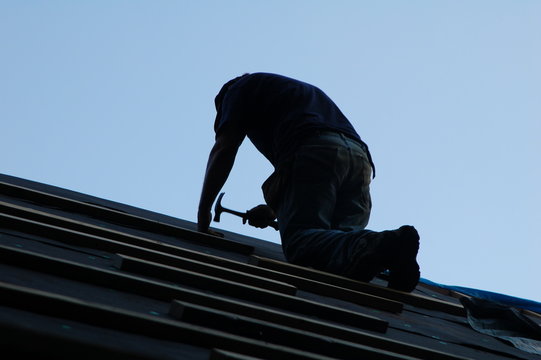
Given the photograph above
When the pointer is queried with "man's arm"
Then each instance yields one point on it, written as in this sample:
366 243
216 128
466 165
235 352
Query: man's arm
221 160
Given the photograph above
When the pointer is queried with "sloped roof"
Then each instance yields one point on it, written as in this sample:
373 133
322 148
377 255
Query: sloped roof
84 277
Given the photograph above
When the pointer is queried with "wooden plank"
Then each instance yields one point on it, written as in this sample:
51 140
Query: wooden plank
128 244
316 275
65 307
309 325
277 334
157 290
244 292
233 283
121 218
201 267
79 238
88 240
118 281
79 226
88 274
315 287
148 288
300 272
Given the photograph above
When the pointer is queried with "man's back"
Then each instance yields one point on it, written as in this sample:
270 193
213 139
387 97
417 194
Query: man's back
276 112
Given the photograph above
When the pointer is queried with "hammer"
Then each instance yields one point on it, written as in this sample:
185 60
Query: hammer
218 209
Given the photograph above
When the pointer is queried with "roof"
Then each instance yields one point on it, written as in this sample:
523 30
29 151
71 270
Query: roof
83 276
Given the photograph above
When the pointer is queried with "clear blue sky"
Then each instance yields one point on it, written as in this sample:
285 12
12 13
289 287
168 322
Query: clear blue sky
115 99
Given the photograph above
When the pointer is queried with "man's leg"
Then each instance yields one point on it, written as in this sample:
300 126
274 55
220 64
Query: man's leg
307 212
326 193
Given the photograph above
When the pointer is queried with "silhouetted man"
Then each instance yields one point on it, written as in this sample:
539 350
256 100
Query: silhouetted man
319 190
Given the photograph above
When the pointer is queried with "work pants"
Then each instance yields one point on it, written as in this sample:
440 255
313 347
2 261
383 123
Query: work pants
322 200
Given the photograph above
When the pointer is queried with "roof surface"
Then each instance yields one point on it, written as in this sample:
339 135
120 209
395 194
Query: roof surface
83 277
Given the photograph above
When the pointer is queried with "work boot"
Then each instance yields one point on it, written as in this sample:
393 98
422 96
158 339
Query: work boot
404 271
375 252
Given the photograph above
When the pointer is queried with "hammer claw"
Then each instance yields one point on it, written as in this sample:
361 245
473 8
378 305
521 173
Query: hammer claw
219 209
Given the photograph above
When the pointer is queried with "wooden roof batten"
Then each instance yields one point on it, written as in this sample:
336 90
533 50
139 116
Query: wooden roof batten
120 217
309 279
204 304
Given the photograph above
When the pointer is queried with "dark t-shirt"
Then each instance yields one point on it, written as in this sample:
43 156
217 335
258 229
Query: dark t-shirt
276 112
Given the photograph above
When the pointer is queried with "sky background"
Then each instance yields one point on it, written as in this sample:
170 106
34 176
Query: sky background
115 99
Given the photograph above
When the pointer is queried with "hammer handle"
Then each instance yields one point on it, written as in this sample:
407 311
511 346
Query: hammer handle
238 213
243 215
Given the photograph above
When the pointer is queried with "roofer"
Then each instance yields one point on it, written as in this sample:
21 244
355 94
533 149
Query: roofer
319 190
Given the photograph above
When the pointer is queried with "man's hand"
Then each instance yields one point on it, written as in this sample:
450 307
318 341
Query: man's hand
260 216
203 223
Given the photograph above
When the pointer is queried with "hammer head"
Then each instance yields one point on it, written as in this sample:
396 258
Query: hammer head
218 209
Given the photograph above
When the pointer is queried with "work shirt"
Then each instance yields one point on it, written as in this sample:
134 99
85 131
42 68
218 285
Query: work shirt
276 112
